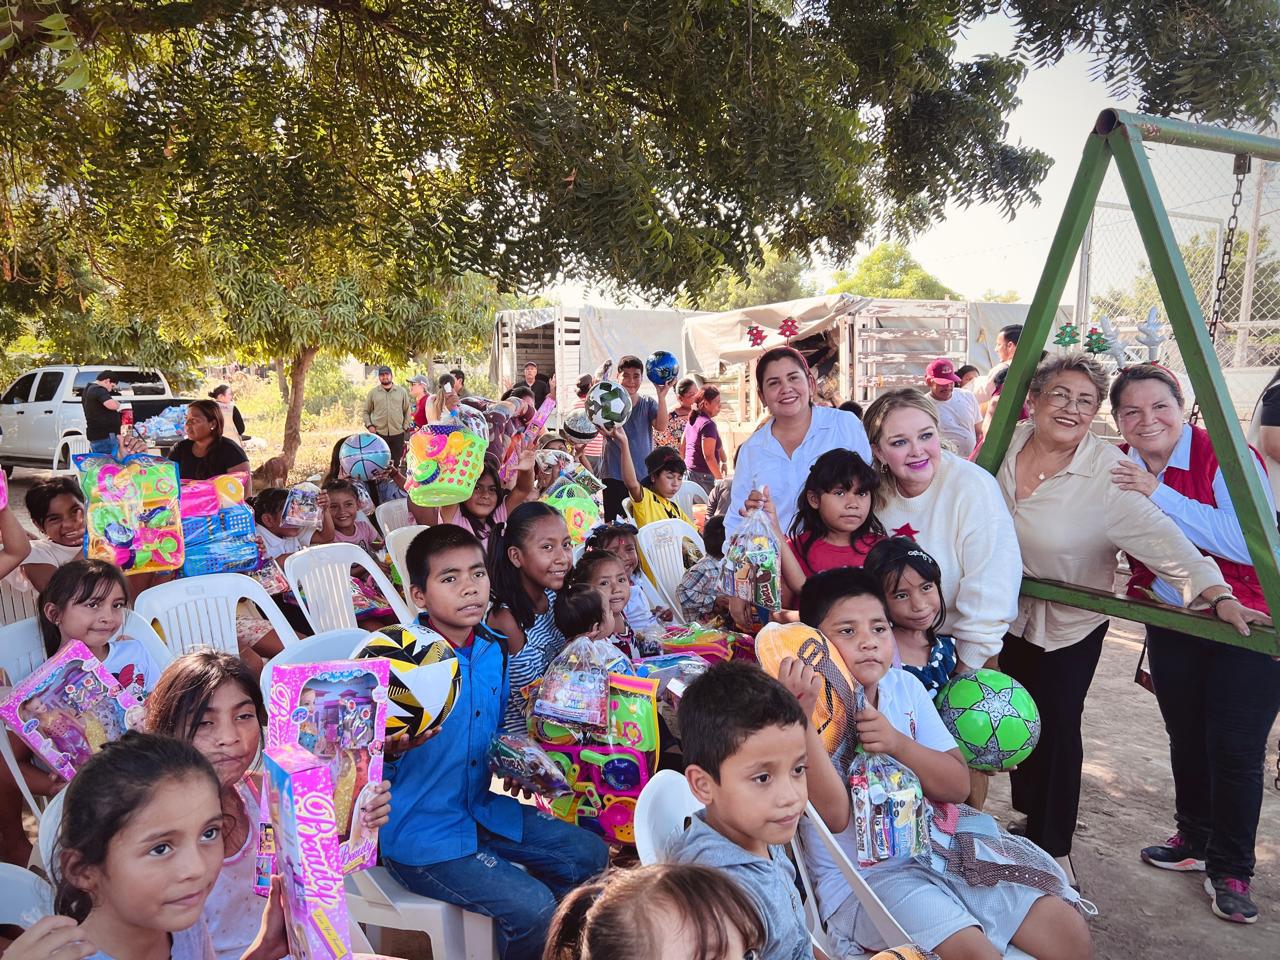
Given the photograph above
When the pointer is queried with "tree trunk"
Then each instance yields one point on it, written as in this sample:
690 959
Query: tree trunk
297 382
281 382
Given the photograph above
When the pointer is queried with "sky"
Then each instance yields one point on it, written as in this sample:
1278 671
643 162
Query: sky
977 249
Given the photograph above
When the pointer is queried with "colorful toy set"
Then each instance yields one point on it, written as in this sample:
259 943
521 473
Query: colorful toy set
305 835
521 760
526 440
580 510
443 464
4 491
132 516
710 643
69 708
606 768
217 527
337 710
364 456
752 570
302 507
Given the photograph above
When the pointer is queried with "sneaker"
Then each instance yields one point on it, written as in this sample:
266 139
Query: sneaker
1174 854
1230 898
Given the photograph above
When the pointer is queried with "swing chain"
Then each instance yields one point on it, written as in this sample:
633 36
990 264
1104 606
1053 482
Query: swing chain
1243 162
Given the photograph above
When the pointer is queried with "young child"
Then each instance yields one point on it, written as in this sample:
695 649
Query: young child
280 540
449 837
699 590
581 611
652 499
348 523
605 572
744 744
939 911
690 913
528 563
56 507
912 583
644 608
489 504
139 849
211 700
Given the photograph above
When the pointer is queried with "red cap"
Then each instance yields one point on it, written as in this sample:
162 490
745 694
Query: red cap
942 370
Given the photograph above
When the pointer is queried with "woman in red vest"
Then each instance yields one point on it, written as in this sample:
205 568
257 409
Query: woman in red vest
1218 701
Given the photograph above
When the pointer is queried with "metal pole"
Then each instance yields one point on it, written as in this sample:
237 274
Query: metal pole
1081 318
1250 266
1183 134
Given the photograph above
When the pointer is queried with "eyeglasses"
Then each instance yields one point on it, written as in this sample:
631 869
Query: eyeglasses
1061 400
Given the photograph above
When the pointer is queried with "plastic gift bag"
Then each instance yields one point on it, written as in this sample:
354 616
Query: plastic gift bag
443 463
217 527
752 568
302 507
132 514
519 758
575 688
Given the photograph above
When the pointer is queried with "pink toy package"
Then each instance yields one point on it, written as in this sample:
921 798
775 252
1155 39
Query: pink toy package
69 708
337 711
300 792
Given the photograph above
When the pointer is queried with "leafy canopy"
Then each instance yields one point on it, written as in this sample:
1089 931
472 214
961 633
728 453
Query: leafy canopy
890 272
775 280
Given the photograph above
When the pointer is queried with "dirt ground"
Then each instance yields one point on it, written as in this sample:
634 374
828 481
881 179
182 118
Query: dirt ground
1126 803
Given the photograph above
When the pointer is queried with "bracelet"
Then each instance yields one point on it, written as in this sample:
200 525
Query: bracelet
1220 598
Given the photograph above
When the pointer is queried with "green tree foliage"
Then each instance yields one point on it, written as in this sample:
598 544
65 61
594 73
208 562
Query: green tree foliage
890 272
995 296
776 279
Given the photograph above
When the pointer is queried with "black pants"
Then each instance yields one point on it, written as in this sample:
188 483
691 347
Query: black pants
1046 786
1218 704
396 443
615 491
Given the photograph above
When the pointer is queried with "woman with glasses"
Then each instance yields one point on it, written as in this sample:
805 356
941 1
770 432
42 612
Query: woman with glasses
1071 519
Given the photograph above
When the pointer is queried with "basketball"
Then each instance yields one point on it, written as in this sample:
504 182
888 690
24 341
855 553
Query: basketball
424 676
608 404
662 368
362 455
993 718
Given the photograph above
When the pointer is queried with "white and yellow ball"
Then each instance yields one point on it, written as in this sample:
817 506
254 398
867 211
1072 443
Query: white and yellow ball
424 676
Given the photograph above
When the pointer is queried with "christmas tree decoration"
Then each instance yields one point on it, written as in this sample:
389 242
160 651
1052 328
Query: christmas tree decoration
755 334
1151 334
1096 341
1068 335
789 327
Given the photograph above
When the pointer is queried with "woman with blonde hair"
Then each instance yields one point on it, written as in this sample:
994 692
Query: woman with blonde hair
444 401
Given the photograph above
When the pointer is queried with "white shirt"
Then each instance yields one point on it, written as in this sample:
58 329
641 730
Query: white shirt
958 418
905 703
639 609
233 911
762 462
43 552
278 546
131 664
983 388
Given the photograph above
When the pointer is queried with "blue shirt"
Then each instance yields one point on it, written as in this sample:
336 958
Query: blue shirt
639 429
440 790
762 461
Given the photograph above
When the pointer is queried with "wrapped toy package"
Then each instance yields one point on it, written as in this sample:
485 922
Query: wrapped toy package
521 760
711 643
4 491
217 527
752 569
300 799
69 708
337 711
574 690
526 440
442 464
132 517
302 507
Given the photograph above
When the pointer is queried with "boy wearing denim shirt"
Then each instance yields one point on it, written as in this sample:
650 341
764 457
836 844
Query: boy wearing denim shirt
449 838
743 735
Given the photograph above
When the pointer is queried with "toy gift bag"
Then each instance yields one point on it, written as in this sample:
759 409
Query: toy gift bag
217 527
752 569
302 507
443 463
526 440
132 516
574 690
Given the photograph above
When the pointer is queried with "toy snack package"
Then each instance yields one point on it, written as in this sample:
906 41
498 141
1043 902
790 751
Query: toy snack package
752 570
574 690
300 799
518 758
132 516
302 507
526 440
337 711
442 464
217 527
69 708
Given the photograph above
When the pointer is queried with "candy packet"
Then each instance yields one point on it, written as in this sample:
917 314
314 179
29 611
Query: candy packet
752 568
516 757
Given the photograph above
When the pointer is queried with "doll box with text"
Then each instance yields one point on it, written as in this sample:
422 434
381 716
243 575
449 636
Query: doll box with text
337 711
300 800
69 708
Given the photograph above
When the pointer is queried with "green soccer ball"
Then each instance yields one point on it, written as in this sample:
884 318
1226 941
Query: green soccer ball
993 718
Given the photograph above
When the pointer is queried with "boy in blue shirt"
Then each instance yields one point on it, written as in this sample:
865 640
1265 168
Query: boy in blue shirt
449 837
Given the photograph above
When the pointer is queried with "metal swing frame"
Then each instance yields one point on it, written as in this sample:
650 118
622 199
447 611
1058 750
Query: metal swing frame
1121 136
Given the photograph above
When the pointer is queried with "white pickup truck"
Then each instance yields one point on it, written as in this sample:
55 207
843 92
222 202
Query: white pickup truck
41 411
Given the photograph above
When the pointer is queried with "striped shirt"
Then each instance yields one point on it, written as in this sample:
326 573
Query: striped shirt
542 643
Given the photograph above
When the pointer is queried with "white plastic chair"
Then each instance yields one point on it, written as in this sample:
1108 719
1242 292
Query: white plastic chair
330 645
198 612
626 509
320 578
47 832
15 605
69 447
662 812
398 546
377 900
689 494
24 897
142 631
661 544
392 515
21 651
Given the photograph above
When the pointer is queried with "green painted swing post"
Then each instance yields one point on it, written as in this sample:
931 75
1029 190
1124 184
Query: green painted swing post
1120 136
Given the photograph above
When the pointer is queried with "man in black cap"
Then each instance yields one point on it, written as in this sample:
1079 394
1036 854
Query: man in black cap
101 414
388 412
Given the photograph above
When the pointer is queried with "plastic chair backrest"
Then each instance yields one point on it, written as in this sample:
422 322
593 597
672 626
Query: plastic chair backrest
72 445
21 649
16 605
392 515
689 494
142 631
330 645
665 804
47 834
198 612
626 509
24 897
320 577
398 546
661 544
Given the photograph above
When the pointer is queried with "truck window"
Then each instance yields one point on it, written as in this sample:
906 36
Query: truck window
139 383
20 391
47 389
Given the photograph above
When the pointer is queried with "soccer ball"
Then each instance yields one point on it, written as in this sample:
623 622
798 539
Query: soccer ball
578 427
661 368
608 404
424 676
993 718
364 454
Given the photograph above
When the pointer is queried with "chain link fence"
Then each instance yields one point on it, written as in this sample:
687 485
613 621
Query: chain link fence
1117 291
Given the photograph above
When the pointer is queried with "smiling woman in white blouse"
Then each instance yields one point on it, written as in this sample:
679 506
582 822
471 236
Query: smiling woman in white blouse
1218 701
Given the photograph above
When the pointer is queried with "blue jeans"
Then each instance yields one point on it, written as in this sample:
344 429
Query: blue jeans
558 856
106 445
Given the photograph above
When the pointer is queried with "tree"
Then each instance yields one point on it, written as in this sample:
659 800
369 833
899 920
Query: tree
890 272
775 280
994 296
